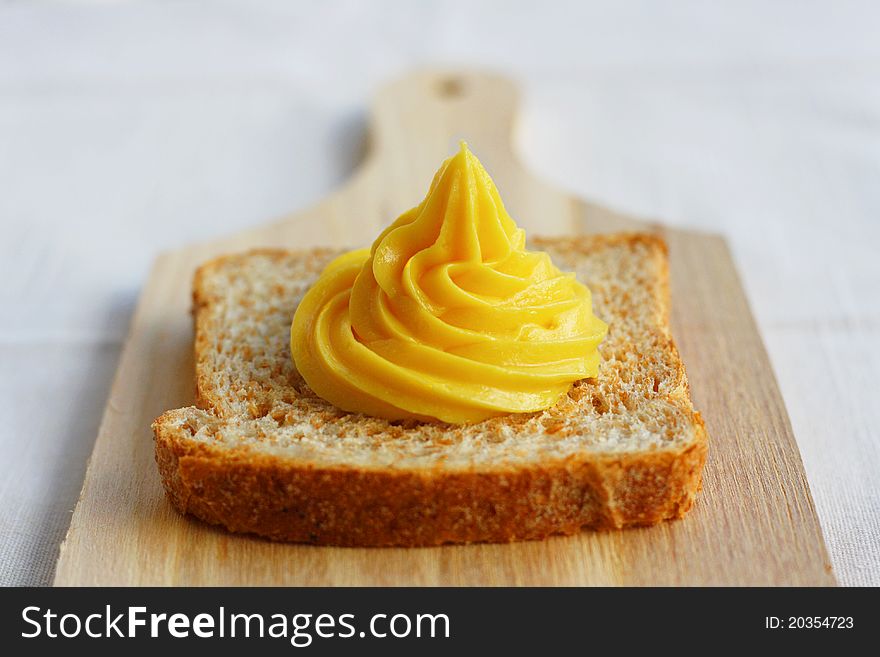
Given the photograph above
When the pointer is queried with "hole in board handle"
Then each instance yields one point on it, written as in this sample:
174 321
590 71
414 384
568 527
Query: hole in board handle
450 87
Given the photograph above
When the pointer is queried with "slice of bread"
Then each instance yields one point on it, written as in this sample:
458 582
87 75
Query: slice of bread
263 454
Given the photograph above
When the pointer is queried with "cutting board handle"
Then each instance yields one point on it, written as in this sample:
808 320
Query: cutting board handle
417 120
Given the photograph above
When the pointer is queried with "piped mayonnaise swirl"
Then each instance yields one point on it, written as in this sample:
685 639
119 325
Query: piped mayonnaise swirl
448 316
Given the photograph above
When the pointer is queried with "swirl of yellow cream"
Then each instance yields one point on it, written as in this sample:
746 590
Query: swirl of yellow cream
447 316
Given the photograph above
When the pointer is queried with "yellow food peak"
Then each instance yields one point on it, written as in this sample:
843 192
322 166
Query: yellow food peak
447 316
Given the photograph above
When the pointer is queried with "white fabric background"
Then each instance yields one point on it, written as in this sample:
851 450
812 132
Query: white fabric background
128 127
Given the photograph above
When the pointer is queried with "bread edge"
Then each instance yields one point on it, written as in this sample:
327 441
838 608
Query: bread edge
286 500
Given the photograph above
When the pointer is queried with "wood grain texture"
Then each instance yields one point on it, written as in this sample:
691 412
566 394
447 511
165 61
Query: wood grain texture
754 522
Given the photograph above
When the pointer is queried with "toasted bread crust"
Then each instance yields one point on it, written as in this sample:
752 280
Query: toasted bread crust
286 499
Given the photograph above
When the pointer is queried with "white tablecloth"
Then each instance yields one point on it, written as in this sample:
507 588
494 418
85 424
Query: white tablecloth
126 128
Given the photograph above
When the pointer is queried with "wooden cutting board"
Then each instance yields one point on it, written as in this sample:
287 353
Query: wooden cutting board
754 522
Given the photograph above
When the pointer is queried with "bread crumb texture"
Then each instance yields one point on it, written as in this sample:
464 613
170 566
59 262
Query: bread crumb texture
261 453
